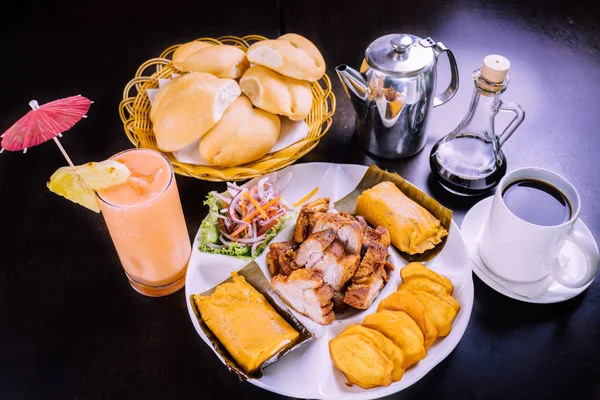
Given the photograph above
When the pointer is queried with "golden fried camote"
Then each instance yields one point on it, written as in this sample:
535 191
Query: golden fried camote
418 270
425 285
441 313
391 351
402 330
361 361
245 323
404 300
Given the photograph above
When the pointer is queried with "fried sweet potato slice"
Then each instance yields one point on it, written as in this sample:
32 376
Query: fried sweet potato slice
404 300
441 313
426 285
402 330
418 270
391 351
361 361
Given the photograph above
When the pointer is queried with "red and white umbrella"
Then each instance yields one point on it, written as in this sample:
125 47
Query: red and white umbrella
45 122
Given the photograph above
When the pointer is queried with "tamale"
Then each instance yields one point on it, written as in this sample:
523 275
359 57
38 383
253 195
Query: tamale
412 228
375 176
251 366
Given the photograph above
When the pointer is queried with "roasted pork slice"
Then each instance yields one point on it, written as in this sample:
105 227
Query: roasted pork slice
273 259
305 291
363 222
347 215
380 235
389 267
348 230
351 235
361 296
305 218
280 258
337 270
323 221
330 220
371 275
374 259
336 249
338 302
313 248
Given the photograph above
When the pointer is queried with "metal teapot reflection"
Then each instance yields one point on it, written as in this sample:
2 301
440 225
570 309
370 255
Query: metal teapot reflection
393 93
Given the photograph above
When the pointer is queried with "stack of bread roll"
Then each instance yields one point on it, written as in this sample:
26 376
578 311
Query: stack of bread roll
232 100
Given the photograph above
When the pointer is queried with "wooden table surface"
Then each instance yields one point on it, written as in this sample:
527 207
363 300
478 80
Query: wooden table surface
71 327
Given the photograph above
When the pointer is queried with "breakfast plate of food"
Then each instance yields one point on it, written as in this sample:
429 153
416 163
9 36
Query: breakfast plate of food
365 277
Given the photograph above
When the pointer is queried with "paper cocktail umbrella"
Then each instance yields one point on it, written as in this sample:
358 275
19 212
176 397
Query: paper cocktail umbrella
45 122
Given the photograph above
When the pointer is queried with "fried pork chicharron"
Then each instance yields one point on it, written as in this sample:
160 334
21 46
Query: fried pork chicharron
305 291
313 248
372 273
347 229
280 258
335 260
305 218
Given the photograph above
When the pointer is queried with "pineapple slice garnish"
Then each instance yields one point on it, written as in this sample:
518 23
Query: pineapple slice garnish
79 183
104 174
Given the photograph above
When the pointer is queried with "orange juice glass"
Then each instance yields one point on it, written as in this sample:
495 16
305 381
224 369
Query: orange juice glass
146 223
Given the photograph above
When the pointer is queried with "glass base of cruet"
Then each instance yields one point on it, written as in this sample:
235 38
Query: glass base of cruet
474 184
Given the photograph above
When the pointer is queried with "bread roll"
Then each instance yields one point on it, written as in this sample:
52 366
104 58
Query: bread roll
187 81
221 60
244 134
190 108
276 93
184 51
291 55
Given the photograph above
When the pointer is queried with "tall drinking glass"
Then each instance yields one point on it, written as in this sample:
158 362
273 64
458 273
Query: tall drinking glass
146 223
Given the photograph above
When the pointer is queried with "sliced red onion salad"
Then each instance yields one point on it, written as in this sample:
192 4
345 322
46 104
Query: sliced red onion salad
274 217
215 246
232 189
245 240
243 222
254 246
224 199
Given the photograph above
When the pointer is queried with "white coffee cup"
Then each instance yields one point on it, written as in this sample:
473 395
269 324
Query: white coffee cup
522 252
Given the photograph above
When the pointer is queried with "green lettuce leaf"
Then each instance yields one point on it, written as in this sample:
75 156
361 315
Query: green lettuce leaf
209 233
209 229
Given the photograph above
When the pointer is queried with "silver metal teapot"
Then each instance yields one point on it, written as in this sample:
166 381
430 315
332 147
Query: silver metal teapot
394 92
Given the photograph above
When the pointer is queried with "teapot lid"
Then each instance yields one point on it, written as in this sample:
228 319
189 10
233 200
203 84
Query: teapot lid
399 53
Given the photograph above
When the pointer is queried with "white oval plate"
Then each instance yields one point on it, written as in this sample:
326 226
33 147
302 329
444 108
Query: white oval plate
309 372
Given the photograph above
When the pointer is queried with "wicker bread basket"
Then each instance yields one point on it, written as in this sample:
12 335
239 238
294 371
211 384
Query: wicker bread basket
135 110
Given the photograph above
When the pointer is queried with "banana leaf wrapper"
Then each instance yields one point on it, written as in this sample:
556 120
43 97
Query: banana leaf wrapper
376 175
255 277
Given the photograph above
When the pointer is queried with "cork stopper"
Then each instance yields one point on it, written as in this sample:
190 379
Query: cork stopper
495 67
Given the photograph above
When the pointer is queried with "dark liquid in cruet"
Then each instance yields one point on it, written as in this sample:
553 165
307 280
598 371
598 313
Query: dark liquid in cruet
467 165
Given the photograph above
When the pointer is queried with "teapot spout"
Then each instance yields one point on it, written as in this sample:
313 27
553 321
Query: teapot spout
355 86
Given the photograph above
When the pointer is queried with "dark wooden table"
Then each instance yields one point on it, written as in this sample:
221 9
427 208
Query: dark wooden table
70 325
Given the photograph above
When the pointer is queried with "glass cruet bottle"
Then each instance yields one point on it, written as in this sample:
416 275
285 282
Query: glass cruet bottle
469 160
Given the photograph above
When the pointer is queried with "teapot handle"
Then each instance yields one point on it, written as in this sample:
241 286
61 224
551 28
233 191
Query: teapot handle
516 109
450 91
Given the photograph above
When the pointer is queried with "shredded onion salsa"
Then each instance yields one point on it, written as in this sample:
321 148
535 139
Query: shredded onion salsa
242 221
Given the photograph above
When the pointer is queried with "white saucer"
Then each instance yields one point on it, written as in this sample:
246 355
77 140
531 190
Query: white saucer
471 228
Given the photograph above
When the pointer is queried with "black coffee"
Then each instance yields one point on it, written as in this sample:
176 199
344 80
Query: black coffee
537 202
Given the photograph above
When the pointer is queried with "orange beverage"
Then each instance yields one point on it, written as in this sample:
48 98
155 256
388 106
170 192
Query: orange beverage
146 223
